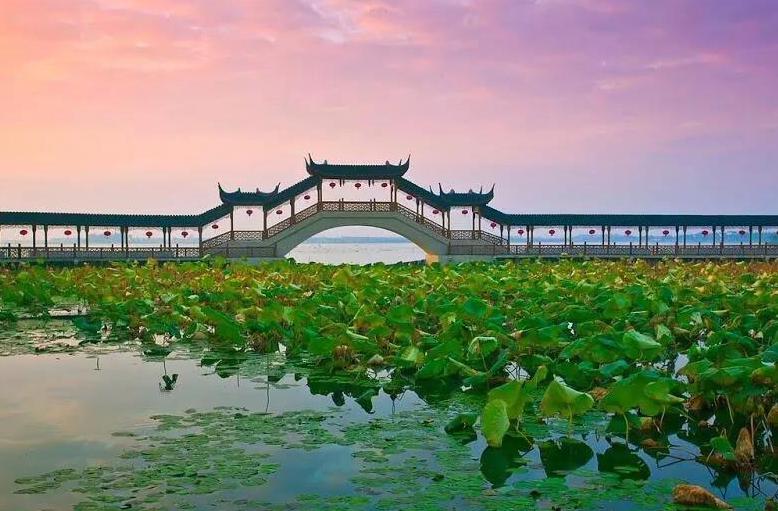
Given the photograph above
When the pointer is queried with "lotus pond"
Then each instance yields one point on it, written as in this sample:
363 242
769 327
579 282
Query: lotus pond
564 385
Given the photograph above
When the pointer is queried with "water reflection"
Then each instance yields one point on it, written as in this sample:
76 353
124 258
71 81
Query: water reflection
499 463
50 421
561 456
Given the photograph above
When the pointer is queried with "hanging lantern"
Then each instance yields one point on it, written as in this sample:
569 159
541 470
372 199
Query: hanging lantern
493 224
23 232
279 212
551 232
408 197
307 197
185 234
741 232
106 233
149 234
249 212
592 231
628 232
521 232
665 232
435 211
215 226
332 185
357 185
464 211
705 232
384 185
68 232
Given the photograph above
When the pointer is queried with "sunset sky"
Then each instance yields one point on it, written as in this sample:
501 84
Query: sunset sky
567 105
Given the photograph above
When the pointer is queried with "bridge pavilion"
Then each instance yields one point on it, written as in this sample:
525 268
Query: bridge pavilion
448 226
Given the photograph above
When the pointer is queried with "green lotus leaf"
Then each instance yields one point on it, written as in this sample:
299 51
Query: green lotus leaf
475 307
638 346
462 422
495 422
559 399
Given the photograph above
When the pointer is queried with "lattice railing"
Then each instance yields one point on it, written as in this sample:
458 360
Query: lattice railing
242 252
613 250
217 240
462 234
279 227
491 238
247 235
98 253
306 213
478 250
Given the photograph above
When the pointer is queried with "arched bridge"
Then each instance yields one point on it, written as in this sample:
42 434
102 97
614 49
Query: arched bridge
448 226
281 238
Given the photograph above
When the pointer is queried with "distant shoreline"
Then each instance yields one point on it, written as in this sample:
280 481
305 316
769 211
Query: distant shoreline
356 239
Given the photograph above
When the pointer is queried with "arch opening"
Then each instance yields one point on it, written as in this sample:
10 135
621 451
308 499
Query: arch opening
357 245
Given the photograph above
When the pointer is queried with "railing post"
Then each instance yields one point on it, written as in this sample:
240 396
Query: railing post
19 251
176 250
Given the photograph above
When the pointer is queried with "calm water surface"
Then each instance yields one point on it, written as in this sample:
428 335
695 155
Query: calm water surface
357 253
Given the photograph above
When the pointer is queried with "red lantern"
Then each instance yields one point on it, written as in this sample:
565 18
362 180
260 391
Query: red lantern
184 234
551 232
521 232
464 211
106 233
357 185
279 212
493 225
23 232
149 234
307 197
249 212
215 226
384 185
665 232
742 232
628 232
332 185
592 231
705 232
435 211
408 197
68 232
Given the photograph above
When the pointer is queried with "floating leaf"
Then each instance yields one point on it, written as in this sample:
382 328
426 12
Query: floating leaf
494 422
559 399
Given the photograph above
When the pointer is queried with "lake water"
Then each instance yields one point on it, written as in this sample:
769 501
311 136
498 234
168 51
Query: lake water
243 431
357 253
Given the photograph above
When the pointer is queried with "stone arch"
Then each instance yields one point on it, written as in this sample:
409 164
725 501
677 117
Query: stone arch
421 236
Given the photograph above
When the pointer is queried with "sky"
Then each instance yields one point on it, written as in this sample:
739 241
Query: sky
663 106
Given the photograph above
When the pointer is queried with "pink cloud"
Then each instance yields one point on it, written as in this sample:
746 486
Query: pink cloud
118 92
